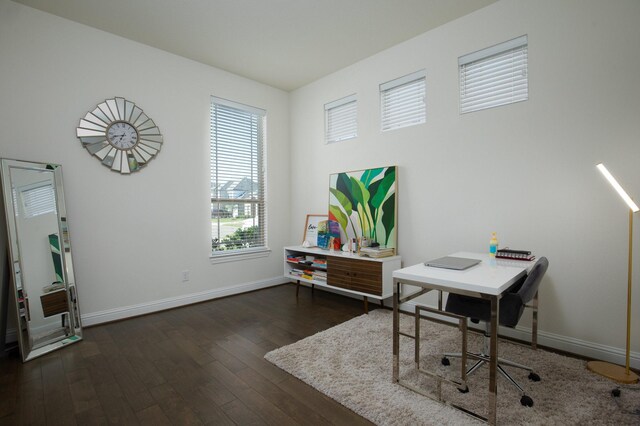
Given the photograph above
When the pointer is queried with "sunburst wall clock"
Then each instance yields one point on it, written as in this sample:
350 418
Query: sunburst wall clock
120 135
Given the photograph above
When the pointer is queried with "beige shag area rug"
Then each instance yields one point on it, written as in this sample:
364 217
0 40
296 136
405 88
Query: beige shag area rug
352 364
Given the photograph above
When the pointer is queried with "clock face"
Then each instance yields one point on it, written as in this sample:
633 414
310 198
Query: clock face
122 135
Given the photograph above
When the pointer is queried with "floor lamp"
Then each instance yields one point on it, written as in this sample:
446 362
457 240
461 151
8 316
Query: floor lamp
612 371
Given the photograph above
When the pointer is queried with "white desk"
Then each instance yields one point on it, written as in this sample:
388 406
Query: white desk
487 280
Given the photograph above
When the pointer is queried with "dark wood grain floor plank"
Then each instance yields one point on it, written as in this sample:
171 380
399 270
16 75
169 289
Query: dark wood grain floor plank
153 415
226 358
84 396
8 388
59 409
191 348
174 406
133 388
299 412
206 409
241 414
114 403
262 406
201 364
30 403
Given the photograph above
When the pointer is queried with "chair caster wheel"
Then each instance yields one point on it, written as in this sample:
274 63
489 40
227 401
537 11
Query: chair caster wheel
526 401
534 377
615 393
445 361
463 390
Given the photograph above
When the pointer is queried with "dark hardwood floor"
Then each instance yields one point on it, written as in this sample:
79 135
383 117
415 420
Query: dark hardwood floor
200 364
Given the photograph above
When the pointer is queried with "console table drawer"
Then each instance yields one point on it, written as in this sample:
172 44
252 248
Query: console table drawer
353 274
54 303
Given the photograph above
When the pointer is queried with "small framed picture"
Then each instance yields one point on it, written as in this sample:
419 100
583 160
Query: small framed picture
310 238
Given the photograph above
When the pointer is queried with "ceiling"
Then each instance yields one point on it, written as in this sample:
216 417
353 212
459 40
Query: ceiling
283 43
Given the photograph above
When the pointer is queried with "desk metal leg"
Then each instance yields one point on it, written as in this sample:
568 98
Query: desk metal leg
396 331
493 361
534 327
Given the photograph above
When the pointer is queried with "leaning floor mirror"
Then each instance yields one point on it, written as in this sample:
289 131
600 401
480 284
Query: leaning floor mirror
42 285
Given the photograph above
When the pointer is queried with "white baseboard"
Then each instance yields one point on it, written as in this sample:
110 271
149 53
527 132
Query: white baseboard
115 314
556 341
577 346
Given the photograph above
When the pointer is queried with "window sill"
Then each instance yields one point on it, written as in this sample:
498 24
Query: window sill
236 256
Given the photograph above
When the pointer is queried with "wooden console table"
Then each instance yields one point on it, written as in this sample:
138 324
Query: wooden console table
346 272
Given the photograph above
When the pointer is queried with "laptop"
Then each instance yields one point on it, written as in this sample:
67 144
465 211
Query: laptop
455 263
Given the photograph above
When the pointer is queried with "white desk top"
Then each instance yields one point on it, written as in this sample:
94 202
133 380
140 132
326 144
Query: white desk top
492 276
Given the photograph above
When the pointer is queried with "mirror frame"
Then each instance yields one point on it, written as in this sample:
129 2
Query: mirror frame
73 328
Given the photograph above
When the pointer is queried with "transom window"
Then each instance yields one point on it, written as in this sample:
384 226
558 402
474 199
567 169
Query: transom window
402 101
341 119
497 75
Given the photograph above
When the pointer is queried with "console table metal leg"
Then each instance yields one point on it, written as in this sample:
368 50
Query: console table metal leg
366 305
297 287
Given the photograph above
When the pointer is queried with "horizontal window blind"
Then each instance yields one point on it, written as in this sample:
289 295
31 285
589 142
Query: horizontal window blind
494 76
341 119
402 101
238 202
38 199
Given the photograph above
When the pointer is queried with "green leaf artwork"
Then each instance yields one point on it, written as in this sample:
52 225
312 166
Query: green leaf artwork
56 257
363 202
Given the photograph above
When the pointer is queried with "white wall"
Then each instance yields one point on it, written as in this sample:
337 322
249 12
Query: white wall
526 171
133 235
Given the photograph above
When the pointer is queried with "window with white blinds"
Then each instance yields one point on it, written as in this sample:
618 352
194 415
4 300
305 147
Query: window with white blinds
402 101
494 76
238 205
38 199
341 119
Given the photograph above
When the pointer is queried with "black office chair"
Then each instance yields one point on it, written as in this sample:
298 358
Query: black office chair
512 306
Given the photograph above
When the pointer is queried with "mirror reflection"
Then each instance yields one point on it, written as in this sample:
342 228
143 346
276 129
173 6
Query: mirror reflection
40 252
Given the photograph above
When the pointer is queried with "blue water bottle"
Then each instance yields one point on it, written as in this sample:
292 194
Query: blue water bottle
493 245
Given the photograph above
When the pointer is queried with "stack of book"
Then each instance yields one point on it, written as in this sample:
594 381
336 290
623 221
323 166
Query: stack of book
377 252
508 253
319 263
296 272
320 276
309 274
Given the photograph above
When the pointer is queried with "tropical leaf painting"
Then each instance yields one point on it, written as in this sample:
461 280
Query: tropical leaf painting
363 202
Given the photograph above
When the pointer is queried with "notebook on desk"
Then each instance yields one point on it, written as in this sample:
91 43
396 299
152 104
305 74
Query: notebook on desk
455 263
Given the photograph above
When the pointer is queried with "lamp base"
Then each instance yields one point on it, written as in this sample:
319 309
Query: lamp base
613 372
